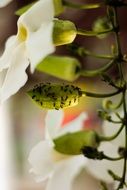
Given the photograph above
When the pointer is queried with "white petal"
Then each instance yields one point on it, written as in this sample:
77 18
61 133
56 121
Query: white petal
75 125
38 22
41 160
53 123
3 3
65 173
110 129
40 12
99 168
10 47
40 44
16 76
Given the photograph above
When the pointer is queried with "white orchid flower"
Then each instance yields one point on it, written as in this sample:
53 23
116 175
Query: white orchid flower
99 168
32 44
47 162
3 3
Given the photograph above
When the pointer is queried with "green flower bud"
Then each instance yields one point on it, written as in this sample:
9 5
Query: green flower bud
73 143
100 25
104 115
64 32
55 96
107 104
66 68
58 6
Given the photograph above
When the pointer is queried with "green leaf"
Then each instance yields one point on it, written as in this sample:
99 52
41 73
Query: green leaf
72 143
19 12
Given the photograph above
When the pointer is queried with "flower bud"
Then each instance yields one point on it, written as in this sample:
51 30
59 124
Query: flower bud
55 96
73 143
100 25
64 32
58 6
107 104
66 68
104 115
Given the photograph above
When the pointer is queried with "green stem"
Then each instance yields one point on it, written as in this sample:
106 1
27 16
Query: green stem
116 106
92 33
117 122
112 159
118 45
78 6
83 51
103 138
103 186
90 94
96 72
122 182
119 63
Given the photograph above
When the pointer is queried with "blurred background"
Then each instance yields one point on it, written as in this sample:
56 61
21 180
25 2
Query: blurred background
24 122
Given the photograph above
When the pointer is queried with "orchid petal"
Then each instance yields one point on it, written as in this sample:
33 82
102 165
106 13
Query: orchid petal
10 47
16 76
53 122
41 160
75 125
99 168
65 173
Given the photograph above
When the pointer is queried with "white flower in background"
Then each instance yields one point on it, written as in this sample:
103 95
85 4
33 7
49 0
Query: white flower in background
32 44
99 168
3 3
47 162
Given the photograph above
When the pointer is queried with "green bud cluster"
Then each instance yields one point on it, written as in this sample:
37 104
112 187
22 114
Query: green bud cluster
55 96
